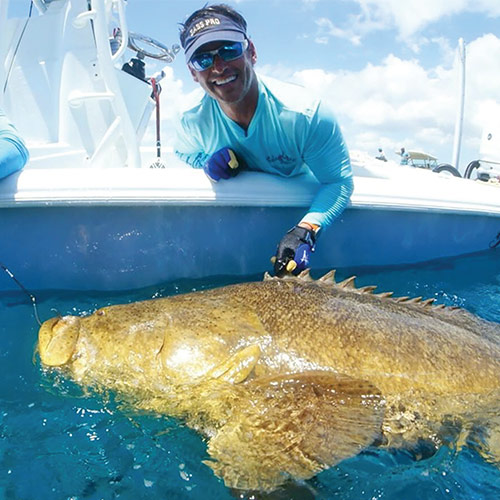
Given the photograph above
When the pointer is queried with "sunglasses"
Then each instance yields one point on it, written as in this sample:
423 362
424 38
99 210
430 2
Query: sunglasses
228 52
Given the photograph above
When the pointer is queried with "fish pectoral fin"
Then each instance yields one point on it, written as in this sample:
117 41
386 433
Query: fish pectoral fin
237 367
294 426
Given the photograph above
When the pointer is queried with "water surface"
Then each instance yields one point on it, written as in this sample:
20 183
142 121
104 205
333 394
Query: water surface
59 443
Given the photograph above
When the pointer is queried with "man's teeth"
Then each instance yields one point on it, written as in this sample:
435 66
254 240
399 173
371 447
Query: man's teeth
226 80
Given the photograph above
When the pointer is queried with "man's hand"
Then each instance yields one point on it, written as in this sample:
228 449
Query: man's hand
294 251
222 165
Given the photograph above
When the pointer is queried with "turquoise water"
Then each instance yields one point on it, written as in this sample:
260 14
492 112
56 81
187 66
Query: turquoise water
58 443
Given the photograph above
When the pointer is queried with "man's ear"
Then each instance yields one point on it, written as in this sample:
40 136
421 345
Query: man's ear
193 73
252 51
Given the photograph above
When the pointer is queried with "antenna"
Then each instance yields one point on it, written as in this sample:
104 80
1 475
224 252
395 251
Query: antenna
460 111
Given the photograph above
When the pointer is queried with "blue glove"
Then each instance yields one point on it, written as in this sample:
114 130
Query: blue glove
222 165
294 251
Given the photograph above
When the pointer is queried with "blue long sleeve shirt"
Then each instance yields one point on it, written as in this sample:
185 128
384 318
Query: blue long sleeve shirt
13 152
289 133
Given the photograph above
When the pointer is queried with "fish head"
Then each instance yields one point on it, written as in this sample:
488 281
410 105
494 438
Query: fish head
57 340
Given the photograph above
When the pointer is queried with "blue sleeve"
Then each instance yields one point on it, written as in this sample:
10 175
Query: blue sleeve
187 147
326 154
13 152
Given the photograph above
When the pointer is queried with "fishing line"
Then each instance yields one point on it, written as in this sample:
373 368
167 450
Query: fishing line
25 290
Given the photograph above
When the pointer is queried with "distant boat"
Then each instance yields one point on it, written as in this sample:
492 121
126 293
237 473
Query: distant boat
88 213
423 160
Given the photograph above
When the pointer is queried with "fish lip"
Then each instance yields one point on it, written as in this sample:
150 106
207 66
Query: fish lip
57 347
44 334
50 323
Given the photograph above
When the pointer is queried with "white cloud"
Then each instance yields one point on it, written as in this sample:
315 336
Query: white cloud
408 17
327 29
396 99
399 103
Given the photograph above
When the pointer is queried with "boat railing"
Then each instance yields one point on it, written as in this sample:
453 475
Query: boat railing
67 86
122 123
41 5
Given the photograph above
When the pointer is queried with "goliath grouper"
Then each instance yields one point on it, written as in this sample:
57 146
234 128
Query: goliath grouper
286 377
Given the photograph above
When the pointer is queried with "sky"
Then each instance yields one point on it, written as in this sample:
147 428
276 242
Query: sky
388 68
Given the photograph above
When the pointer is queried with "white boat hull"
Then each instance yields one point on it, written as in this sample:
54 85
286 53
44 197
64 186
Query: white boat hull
126 228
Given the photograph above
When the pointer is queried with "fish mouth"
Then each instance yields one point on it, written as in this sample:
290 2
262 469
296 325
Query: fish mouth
57 340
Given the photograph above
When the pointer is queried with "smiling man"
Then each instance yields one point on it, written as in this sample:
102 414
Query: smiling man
246 121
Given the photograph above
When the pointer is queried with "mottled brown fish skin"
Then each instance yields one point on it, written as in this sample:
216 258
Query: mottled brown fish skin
300 325
235 361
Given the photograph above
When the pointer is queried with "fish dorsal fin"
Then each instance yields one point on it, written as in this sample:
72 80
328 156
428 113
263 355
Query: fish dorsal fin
294 426
328 280
237 367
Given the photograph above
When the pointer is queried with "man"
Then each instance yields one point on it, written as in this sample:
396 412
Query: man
404 157
13 152
381 155
244 121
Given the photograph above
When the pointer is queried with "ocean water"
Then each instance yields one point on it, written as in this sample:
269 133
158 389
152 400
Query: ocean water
58 443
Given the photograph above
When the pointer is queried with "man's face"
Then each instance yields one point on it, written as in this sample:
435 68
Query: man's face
227 81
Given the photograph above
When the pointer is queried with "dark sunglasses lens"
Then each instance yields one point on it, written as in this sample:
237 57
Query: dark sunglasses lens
230 52
202 61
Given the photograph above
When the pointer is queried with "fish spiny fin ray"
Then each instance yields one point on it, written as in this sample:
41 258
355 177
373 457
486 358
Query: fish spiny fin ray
401 299
305 275
328 277
347 283
415 300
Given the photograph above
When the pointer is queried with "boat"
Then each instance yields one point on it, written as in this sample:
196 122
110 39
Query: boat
88 212
419 159
486 167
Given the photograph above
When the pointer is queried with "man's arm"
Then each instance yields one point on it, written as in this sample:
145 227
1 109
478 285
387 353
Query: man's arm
13 152
325 153
187 147
220 164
